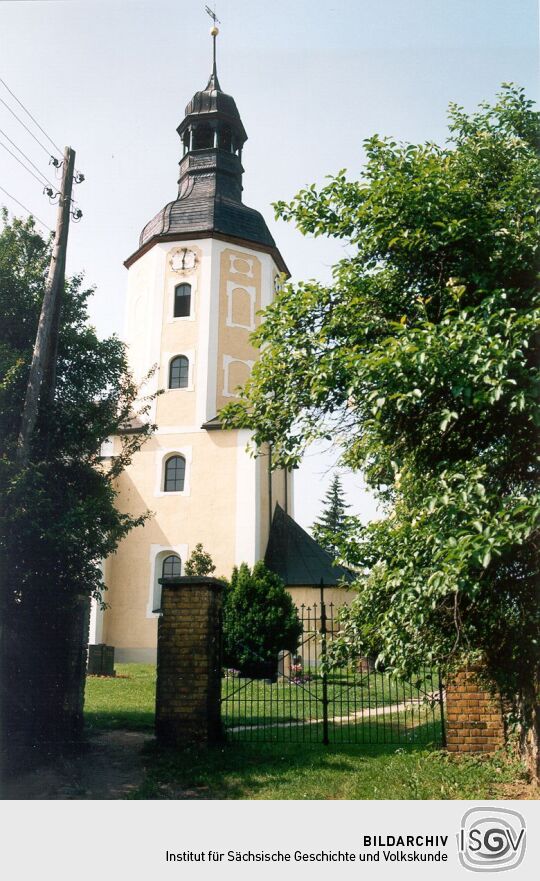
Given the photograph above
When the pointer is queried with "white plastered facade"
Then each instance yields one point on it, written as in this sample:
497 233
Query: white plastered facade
227 494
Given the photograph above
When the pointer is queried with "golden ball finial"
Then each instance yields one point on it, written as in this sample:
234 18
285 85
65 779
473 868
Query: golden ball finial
214 31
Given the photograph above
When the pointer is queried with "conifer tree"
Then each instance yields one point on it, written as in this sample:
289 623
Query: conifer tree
259 621
332 524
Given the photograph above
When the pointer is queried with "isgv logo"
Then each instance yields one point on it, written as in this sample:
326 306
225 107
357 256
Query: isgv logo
491 839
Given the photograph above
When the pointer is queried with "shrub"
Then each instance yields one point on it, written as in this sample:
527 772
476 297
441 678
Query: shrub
260 620
200 562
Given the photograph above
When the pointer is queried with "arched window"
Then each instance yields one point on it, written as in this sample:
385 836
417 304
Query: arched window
175 473
182 300
179 372
171 567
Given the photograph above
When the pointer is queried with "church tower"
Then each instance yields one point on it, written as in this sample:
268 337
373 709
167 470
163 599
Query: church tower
205 266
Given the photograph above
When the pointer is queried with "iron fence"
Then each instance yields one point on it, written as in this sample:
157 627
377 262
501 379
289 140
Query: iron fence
299 702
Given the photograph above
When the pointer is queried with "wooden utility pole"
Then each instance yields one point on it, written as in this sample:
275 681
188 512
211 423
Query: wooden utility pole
42 376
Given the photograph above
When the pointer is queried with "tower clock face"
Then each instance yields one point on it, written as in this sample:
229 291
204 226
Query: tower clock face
183 260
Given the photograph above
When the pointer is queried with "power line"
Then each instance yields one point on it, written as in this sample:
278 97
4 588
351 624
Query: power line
45 179
29 170
34 120
78 176
30 213
31 133
7 137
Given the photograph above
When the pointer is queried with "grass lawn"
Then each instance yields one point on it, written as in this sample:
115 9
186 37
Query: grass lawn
127 701
294 771
293 710
288 770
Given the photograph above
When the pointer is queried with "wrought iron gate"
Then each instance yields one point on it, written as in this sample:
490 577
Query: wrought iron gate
355 704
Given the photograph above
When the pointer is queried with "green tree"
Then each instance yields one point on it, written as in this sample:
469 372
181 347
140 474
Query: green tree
200 562
260 620
58 518
420 359
332 524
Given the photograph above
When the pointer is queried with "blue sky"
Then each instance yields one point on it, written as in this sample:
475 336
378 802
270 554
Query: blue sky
311 81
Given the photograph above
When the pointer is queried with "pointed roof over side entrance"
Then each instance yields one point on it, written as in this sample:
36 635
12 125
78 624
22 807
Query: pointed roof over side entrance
297 558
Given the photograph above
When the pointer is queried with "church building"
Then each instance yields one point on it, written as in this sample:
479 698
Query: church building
205 266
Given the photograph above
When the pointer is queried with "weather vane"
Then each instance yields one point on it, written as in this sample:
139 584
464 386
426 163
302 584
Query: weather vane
212 14
214 30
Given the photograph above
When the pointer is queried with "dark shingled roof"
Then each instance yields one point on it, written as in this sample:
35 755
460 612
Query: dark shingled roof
213 100
209 201
202 206
212 424
297 558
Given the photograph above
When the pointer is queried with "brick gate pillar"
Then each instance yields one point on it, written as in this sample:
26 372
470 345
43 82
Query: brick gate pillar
474 716
189 661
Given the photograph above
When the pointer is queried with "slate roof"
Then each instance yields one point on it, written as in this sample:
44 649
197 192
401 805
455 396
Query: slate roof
212 424
209 201
205 208
297 558
212 100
